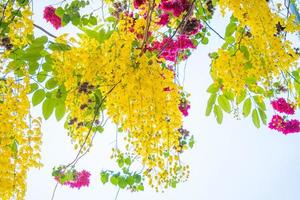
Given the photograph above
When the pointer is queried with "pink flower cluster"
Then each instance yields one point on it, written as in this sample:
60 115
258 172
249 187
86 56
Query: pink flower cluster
50 16
138 3
284 126
184 107
176 7
82 179
283 107
279 123
172 48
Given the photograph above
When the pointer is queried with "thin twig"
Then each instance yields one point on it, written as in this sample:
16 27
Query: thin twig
53 193
149 18
218 34
117 194
90 129
45 31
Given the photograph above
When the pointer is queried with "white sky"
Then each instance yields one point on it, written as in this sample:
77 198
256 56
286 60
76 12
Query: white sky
232 161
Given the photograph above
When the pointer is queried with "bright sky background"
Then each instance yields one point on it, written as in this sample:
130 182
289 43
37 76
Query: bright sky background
232 161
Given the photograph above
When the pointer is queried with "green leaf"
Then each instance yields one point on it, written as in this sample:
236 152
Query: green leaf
14 146
127 161
51 83
248 65
211 101
245 51
33 87
260 102
130 180
59 12
263 116
224 103
114 180
41 76
218 114
140 188
240 97
120 162
60 111
213 55
255 118
104 177
59 47
204 40
228 94
213 88
247 107
93 20
75 19
122 182
137 178
65 19
191 142
38 97
40 41
48 107
47 67
230 29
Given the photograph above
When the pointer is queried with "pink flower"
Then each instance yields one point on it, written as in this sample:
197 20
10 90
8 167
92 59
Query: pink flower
286 127
164 19
184 107
50 16
176 7
171 48
283 107
277 123
138 3
292 126
183 42
82 179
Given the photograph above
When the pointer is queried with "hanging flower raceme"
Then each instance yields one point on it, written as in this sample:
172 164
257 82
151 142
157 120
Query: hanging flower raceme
50 16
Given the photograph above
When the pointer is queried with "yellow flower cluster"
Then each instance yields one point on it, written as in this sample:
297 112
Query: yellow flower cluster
20 139
133 85
261 53
20 28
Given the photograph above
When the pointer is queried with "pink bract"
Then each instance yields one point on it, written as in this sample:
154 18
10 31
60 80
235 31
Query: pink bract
50 16
282 106
82 179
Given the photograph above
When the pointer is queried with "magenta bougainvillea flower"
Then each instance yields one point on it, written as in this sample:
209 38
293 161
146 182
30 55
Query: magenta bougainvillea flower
176 7
171 48
164 19
82 179
292 126
282 106
138 3
50 16
184 107
277 123
285 126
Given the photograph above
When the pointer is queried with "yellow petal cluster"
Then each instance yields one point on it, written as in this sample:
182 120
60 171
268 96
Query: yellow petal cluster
133 85
20 139
269 53
20 28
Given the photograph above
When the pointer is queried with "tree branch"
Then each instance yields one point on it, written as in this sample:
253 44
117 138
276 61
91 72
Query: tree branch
45 31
